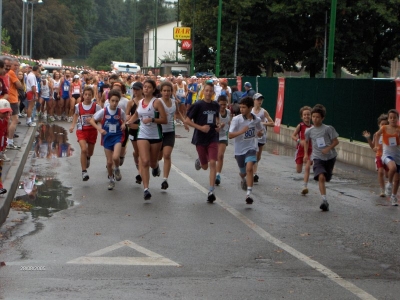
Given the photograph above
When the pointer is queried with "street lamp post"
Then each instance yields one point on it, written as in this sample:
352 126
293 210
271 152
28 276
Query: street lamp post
23 29
31 2
218 38
332 29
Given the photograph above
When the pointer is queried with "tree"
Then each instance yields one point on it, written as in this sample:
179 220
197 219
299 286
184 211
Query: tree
107 51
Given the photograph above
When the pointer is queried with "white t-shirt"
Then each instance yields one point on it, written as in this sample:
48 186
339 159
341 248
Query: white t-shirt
123 103
30 82
248 140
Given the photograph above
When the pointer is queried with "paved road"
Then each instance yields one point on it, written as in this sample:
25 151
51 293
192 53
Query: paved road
114 245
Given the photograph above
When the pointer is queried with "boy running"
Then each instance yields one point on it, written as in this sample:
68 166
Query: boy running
246 128
85 132
324 139
203 117
112 130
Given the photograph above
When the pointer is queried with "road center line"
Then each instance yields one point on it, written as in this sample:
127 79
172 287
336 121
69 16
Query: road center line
268 237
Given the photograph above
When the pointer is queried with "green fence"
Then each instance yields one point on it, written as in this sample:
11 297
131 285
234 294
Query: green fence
352 105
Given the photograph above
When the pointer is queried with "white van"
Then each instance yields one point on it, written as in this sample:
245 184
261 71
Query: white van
125 67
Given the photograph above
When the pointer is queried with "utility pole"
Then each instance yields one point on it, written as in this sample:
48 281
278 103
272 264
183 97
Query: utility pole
192 60
155 36
218 39
177 25
332 29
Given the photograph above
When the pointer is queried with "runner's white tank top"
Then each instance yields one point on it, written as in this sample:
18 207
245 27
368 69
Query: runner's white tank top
170 126
45 90
261 115
223 132
56 85
149 131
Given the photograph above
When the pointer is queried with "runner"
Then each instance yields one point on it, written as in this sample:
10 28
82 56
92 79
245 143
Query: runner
75 91
180 93
225 121
151 114
112 130
5 112
203 116
65 95
85 132
170 106
56 96
245 129
46 98
266 120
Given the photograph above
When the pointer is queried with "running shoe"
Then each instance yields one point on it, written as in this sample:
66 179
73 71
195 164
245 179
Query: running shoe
52 119
388 188
121 160
324 205
16 135
3 191
249 200
211 197
256 178
58 118
146 195
393 200
382 194
117 174
197 164
244 184
70 119
31 124
4 157
164 185
44 116
304 191
156 171
85 176
13 147
218 180
111 184
138 179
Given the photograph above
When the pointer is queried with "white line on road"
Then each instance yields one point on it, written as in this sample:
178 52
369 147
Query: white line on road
268 237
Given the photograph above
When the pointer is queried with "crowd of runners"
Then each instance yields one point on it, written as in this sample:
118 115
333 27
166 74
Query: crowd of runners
144 109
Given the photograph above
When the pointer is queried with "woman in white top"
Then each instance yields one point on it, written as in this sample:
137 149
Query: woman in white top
56 95
171 107
151 114
266 121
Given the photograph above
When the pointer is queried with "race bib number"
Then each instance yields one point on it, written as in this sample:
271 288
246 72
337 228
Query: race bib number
392 141
66 88
210 118
112 128
321 142
85 120
249 134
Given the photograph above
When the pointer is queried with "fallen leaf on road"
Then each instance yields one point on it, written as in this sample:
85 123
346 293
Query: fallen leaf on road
396 221
279 262
305 234
16 220
2 264
97 233
279 251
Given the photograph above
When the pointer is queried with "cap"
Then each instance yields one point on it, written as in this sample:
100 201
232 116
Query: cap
248 84
162 79
193 77
5 106
258 96
137 86
23 65
43 77
76 76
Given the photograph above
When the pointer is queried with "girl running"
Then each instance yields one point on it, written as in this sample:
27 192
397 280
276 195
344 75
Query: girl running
85 132
151 114
168 142
266 120
225 121
299 137
76 91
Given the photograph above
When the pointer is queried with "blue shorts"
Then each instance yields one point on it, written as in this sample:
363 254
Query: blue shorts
46 99
109 141
242 160
182 100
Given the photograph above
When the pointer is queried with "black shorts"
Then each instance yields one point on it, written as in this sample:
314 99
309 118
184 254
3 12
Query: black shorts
151 141
223 142
168 139
56 96
126 137
323 167
133 134
76 96
15 109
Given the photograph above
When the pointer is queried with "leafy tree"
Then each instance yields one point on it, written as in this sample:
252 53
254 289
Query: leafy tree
106 51
5 41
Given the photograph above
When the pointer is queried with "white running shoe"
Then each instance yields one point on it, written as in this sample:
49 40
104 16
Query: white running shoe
388 188
393 200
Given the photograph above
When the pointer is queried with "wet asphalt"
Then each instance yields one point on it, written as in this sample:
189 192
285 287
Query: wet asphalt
281 247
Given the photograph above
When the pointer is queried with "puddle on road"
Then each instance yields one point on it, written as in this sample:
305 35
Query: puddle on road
51 141
38 184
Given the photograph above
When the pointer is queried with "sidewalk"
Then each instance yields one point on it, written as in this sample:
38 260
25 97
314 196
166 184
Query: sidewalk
13 169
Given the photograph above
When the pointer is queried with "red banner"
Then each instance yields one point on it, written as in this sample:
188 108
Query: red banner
279 105
239 83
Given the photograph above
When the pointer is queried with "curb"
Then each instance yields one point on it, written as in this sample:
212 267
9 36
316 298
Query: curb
11 182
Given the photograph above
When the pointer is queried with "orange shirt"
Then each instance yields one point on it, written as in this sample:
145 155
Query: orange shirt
386 136
13 92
